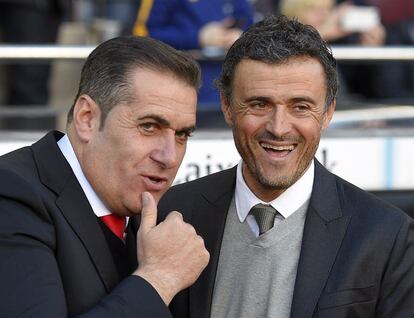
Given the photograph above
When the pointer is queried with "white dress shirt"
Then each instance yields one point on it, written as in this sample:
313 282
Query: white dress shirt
96 203
287 203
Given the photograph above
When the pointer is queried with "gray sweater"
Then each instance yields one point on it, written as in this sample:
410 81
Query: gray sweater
256 276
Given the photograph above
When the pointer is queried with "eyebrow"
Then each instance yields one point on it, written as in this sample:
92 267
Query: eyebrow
258 98
293 99
303 99
166 123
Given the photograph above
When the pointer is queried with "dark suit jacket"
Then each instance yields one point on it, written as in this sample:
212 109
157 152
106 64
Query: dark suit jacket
357 256
54 258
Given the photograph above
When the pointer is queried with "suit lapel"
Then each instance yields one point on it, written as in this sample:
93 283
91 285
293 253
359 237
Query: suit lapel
324 230
57 175
77 211
209 218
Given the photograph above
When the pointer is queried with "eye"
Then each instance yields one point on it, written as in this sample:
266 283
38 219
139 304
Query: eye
300 108
148 127
183 135
259 107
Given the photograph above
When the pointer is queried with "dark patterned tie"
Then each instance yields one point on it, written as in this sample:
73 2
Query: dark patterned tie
264 215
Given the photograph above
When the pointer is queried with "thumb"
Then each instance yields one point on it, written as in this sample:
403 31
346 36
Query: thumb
148 212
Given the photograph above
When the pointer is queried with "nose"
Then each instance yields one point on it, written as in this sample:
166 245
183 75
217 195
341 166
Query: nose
279 123
165 152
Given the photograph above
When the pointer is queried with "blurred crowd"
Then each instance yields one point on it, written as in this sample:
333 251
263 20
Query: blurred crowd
207 28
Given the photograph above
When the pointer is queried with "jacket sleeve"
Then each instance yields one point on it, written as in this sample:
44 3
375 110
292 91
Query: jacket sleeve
133 297
31 283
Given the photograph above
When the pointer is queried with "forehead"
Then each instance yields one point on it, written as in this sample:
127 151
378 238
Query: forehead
295 75
162 93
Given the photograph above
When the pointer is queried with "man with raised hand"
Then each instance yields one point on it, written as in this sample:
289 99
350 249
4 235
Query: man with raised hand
68 203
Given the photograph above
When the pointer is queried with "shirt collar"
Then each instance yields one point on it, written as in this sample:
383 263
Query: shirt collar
96 203
287 203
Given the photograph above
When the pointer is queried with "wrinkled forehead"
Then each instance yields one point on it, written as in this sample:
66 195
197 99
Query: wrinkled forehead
163 95
303 71
241 70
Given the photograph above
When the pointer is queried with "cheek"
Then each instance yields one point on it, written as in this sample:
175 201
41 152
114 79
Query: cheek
249 127
311 139
181 150
311 132
124 168
314 124
135 152
309 128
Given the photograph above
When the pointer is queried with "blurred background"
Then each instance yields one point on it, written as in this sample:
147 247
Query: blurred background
370 142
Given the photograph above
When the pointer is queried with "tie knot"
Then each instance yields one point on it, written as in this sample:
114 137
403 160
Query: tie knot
264 215
115 223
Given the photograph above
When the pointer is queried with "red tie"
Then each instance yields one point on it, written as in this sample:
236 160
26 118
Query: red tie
115 223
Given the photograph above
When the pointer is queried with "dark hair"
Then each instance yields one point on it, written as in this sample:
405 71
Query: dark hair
105 75
275 40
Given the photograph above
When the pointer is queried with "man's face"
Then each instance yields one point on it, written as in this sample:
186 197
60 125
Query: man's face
277 116
142 143
316 13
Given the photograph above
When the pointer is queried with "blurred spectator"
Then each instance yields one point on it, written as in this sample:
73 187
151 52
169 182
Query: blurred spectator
398 77
122 12
208 25
392 11
29 22
265 8
328 19
85 10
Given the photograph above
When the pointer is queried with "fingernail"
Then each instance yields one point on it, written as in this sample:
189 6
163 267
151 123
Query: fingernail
144 197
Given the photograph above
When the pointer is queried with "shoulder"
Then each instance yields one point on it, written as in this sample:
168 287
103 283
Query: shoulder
370 209
17 171
21 194
184 196
333 197
218 180
16 158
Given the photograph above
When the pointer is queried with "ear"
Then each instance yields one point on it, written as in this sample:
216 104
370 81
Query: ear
86 117
226 109
328 115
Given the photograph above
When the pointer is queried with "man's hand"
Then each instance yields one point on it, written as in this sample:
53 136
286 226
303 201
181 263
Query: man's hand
373 37
331 29
217 34
171 255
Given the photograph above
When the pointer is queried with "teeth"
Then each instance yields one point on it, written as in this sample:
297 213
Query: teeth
278 148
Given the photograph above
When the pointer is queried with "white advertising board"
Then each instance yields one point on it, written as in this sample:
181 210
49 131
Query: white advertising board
370 163
375 163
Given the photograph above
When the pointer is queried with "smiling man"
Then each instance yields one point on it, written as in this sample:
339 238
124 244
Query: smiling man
68 204
287 238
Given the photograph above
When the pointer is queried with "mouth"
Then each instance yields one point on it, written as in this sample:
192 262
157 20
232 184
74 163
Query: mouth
155 183
278 151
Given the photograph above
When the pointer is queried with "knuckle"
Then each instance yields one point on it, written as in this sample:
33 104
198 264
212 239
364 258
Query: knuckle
190 229
199 243
178 214
175 217
206 256
200 240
